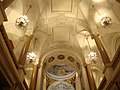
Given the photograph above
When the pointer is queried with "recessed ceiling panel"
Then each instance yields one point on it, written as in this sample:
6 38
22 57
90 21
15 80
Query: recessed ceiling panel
61 5
61 33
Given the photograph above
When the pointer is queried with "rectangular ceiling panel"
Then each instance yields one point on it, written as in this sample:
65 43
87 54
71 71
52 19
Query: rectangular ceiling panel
61 33
61 5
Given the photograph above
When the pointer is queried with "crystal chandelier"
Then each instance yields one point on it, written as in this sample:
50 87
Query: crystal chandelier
31 56
92 55
106 22
23 20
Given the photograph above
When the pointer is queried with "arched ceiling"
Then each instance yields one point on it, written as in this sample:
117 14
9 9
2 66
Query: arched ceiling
63 24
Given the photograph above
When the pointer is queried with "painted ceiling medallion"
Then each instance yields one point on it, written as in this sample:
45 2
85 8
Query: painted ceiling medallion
60 72
44 65
71 59
51 59
78 64
61 57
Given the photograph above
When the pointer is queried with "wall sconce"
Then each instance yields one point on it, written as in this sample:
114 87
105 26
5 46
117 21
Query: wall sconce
23 20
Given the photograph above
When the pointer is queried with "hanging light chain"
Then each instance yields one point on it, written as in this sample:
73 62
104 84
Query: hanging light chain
23 20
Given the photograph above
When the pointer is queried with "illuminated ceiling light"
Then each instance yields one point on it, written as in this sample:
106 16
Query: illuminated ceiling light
23 20
31 56
92 55
106 22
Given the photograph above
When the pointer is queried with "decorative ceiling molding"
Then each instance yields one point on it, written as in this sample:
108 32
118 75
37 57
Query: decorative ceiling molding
53 21
62 57
54 52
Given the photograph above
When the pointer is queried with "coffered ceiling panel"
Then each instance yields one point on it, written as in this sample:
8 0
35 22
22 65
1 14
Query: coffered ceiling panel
61 33
61 5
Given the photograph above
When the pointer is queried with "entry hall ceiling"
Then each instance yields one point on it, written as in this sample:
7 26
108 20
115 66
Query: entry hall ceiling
64 23
61 21
57 22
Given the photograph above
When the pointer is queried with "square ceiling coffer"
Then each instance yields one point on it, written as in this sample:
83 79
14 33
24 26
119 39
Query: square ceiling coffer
61 33
61 5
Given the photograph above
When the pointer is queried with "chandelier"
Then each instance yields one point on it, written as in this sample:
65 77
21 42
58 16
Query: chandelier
31 56
92 55
23 20
106 22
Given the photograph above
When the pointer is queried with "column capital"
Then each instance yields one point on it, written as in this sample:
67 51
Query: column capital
85 65
108 65
38 66
29 31
30 34
94 35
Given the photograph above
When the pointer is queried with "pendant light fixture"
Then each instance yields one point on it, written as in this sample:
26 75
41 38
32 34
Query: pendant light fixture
23 20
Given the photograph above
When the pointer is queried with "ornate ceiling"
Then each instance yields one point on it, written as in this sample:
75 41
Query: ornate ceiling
64 24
